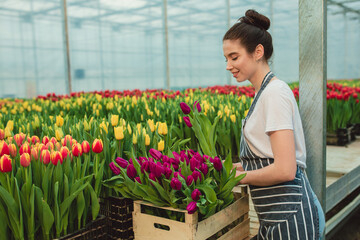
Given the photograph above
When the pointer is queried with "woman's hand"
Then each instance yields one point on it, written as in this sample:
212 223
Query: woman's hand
238 167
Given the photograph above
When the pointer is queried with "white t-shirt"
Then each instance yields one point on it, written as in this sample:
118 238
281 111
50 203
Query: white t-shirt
276 109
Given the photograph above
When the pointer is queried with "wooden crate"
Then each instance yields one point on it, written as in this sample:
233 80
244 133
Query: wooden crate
191 229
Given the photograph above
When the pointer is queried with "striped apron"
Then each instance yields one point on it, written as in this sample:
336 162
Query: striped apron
286 210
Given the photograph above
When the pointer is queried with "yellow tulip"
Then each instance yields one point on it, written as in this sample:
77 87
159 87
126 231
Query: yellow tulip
220 114
164 129
147 140
243 99
7 132
119 133
10 125
59 121
129 128
134 138
97 112
59 134
151 125
98 97
180 119
104 126
246 112
233 118
114 120
134 100
86 126
138 126
161 145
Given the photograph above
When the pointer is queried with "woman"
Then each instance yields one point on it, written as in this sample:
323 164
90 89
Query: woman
272 151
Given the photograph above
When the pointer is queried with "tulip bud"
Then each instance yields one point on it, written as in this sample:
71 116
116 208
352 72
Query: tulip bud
65 152
25 159
134 139
12 150
25 148
45 156
53 141
155 153
2 134
45 140
217 163
175 184
187 121
97 146
35 139
77 150
114 120
138 179
131 171
195 195
161 145
168 172
5 163
4 148
114 168
191 207
119 133
233 118
204 168
159 170
194 163
121 162
152 177
35 153
178 174
197 105
85 146
55 157
68 141
59 134
185 108
189 180
145 166
147 140
196 175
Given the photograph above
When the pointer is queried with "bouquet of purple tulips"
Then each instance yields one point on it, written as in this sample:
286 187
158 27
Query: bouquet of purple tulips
187 179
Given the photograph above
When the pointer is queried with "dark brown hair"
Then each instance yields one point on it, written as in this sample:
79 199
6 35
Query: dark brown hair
251 30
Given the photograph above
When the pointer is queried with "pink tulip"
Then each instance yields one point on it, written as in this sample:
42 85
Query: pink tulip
185 108
191 207
195 195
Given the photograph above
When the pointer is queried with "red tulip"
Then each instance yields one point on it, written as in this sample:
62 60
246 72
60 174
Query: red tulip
45 140
97 146
19 138
45 156
65 152
35 139
67 140
34 153
2 134
25 148
77 150
4 148
53 140
55 157
25 159
12 150
5 164
85 146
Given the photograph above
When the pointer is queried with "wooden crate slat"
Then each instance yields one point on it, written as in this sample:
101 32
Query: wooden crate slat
239 232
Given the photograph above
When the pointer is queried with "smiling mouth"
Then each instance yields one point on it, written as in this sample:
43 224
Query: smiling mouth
235 74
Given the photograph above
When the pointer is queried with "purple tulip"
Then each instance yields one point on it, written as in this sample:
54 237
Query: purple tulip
184 157
204 168
191 207
195 195
131 171
189 180
217 163
177 174
175 160
158 170
199 157
152 177
165 159
187 121
145 166
139 181
175 184
176 155
196 175
190 153
168 172
114 168
121 162
194 163
206 157
197 104
185 108
155 154
166 165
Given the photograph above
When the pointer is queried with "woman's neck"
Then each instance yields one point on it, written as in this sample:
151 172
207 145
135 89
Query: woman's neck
258 77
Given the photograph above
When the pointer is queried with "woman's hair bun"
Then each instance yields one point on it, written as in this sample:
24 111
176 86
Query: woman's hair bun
256 19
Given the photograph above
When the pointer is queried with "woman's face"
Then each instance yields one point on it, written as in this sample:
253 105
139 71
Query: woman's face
240 63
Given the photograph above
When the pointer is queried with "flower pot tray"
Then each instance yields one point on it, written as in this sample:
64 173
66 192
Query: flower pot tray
229 224
93 230
118 213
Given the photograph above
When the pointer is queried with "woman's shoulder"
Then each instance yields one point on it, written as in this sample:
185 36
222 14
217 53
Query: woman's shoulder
277 87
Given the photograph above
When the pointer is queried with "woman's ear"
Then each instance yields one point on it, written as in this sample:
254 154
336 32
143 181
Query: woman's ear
259 52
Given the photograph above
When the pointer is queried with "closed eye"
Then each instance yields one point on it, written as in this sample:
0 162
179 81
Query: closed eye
234 59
